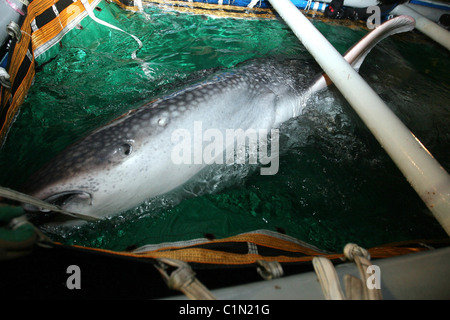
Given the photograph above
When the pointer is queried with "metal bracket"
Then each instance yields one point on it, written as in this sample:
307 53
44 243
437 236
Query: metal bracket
14 31
4 78
270 269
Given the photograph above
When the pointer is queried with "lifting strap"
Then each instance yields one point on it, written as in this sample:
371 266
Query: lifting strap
183 279
356 289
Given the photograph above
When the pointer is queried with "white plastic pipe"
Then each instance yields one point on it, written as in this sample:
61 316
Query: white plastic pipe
356 3
423 172
425 25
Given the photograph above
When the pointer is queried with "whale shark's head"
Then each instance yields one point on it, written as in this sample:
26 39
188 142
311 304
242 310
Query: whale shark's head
128 161
76 178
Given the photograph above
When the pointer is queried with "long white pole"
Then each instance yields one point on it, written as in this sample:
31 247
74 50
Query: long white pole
424 173
425 25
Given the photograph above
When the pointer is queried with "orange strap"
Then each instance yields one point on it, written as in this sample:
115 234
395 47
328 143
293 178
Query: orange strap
224 251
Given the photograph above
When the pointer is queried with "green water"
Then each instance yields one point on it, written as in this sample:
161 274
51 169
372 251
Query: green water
335 183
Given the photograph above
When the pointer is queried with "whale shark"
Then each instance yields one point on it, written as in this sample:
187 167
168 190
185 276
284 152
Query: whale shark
131 159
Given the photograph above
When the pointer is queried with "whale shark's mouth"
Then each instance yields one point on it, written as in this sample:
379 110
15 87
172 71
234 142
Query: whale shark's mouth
63 199
63 202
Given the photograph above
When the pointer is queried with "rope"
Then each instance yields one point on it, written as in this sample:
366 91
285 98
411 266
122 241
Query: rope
88 8
308 6
144 65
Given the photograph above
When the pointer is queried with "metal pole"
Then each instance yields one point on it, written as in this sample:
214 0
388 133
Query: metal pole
424 173
425 25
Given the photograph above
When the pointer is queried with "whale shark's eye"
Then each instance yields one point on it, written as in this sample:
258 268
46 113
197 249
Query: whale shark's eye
115 153
125 149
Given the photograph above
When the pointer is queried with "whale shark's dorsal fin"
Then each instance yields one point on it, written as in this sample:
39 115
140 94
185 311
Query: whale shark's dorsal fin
356 54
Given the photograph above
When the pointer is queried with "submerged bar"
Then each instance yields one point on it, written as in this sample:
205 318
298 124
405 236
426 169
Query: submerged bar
428 178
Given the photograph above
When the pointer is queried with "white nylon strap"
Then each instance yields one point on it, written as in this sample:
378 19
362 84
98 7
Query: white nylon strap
88 8
328 279
252 3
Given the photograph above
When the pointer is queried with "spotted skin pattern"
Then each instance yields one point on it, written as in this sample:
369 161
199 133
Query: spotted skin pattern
128 161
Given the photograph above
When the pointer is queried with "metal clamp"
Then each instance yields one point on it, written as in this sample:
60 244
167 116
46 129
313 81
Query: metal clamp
270 269
4 78
14 31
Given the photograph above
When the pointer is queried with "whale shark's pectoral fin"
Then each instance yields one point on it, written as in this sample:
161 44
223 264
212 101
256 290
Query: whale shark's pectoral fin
356 54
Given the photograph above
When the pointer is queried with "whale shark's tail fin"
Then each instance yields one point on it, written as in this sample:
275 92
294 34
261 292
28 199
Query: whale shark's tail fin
356 54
